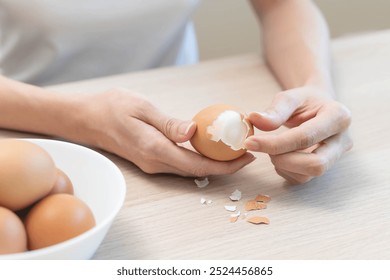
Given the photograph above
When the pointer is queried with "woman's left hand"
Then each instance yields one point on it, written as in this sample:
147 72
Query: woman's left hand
317 138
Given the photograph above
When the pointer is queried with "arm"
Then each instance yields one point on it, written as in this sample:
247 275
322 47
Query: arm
296 42
297 50
29 108
118 121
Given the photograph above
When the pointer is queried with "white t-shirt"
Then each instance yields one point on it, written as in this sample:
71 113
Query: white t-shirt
53 41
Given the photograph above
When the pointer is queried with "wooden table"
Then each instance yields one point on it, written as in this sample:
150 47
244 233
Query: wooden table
344 214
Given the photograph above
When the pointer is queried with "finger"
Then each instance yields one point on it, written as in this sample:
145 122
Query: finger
160 167
293 178
174 129
281 109
324 125
262 121
195 165
156 167
317 162
335 146
157 154
173 158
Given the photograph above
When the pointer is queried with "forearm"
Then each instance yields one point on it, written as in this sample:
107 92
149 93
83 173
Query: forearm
32 109
296 42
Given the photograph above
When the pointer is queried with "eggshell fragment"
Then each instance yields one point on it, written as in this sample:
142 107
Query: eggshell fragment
221 131
263 198
235 196
230 208
234 217
258 220
57 218
27 173
202 183
254 205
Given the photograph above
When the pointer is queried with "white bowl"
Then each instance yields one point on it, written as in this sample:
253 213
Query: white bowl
98 182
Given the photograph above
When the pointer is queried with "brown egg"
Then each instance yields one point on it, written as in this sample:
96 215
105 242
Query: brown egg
57 218
13 237
221 131
62 184
27 173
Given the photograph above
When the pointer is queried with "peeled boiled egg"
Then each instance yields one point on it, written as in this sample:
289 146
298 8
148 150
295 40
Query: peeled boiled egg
27 173
221 132
13 237
62 184
57 218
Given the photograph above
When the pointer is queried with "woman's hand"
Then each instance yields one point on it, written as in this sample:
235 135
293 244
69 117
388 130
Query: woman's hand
126 124
317 139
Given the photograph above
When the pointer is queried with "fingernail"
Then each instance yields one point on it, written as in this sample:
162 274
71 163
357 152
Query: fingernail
250 160
266 115
253 159
185 127
251 144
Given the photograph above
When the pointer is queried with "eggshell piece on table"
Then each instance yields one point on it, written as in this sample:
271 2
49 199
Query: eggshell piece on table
221 131
57 218
13 238
234 217
263 198
27 173
254 205
62 184
257 220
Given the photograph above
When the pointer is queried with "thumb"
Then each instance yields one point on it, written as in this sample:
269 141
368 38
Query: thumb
174 129
177 130
281 109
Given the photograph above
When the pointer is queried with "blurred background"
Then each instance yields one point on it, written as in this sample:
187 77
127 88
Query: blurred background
229 27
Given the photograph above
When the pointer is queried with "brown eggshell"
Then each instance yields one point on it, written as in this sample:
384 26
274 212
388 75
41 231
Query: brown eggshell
201 140
62 184
13 238
57 218
27 173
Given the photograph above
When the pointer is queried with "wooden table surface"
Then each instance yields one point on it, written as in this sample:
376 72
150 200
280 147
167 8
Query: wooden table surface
344 214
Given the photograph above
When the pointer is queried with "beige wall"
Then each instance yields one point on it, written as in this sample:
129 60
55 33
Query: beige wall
229 27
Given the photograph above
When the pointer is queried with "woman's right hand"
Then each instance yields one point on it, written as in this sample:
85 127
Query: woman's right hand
126 124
